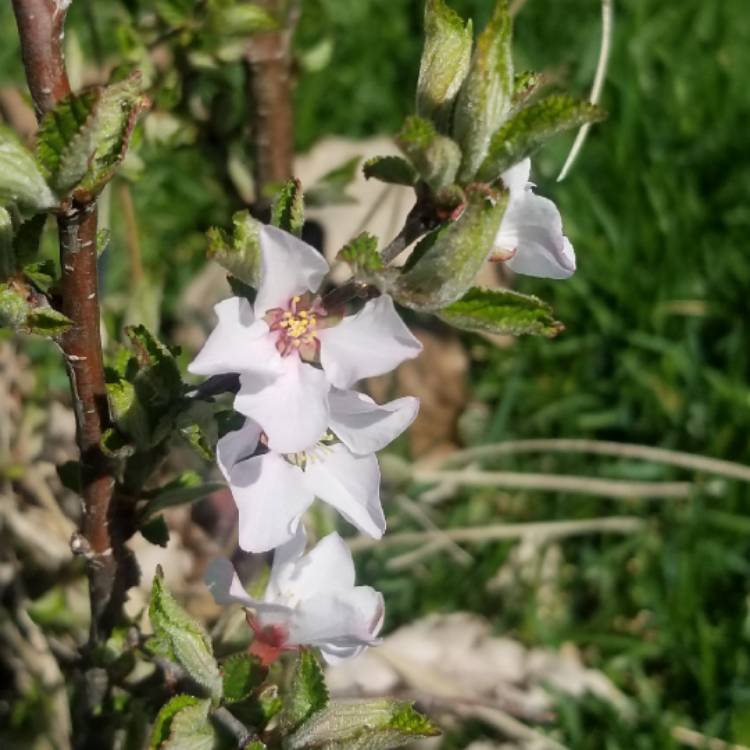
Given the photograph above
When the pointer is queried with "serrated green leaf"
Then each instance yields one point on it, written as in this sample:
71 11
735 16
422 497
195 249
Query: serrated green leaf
191 729
240 252
21 181
391 169
485 97
116 113
289 208
42 274
445 61
184 639
306 695
527 130
187 488
65 142
450 263
46 321
167 712
242 674
435 157
364 725
501 311
330 189
156 531
362 254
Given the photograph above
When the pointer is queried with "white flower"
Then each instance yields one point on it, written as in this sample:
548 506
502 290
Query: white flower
311 600
531 238
279 344
273 490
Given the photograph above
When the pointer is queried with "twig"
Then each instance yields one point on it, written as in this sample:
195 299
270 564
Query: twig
420 220
691 738
691 461
40 26
234 726
598 85
617 488
496 532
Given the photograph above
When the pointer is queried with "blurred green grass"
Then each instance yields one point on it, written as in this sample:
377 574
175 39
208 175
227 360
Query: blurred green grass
656 347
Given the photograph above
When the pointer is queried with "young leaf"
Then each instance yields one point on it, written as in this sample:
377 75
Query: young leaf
21 181
187 488
42 274
445 61
240 253
46 321
362 254
197 426
242 673
307 693
330 189
7 254
65 142
14 307
242 19
485 96
28 238
436 157
391 169
116 113
168 711
191 729
501 311
526 131
362 725
289 208
182 639
450 263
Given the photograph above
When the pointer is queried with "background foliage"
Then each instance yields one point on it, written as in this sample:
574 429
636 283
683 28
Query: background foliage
656 346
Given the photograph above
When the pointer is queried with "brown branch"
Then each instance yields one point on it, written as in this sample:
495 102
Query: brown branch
269 63
40 25
421 219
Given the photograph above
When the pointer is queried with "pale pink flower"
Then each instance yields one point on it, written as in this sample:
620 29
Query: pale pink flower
310 600
289 351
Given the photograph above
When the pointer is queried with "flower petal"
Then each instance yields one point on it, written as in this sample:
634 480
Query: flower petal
288 266
351 484
516 179
372 342
286 560
238 343
292 410
363 426
237 446
271 497
225 586
340 623
533 228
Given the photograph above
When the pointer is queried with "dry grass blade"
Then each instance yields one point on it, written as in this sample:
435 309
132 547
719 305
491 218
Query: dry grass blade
691 738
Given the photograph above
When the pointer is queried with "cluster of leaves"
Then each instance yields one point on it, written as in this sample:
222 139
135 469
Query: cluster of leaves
237 701
475 119
80 144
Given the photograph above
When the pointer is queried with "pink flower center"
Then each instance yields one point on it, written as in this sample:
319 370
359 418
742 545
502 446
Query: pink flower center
296 326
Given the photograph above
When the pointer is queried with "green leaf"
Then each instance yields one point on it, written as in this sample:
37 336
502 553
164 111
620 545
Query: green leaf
156 531
239 252
175 12
306 695
65 142
501 311
242 674
28 238
436 157
525 85
116 445
183 639
452 260
485 97
7 254
361 254
14 307
191 729
362 725
197 426
391 169
168 711
42 274
530 128
241 19
116 114
21 181
187 488
330 189
445 61
289 208
46 321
